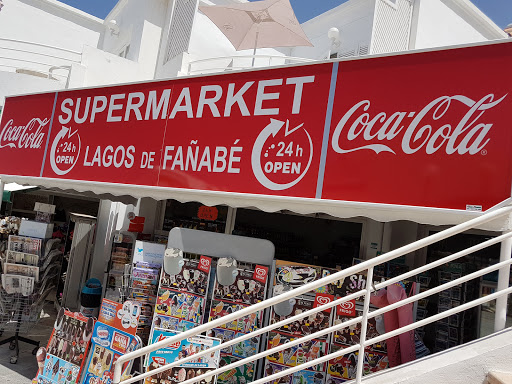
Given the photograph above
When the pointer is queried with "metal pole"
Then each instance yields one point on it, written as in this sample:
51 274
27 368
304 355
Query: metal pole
500 318
255 46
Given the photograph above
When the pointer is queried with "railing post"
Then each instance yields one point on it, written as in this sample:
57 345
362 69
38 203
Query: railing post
500 318
364 325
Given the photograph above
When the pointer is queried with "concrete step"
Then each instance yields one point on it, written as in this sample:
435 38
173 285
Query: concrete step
470 363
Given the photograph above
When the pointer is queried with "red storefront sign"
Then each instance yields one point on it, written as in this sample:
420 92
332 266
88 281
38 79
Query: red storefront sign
423 129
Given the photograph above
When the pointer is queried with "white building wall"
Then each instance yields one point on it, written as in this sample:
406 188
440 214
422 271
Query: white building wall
444 22
392 25
137 34
36 36
16 83
49 22
354 20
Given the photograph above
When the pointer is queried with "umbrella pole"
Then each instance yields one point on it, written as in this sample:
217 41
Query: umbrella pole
254 51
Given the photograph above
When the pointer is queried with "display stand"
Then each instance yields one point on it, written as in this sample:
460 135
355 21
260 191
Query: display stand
20 305
249 253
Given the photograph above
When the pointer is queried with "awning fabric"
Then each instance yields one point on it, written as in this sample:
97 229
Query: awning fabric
14 187
267 203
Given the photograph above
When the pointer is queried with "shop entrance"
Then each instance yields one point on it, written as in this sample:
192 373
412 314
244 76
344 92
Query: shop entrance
310 240
473 323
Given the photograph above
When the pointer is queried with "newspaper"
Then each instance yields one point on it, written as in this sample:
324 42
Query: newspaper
24 270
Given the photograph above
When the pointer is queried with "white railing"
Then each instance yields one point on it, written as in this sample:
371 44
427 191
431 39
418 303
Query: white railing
38 59
500 296
237 63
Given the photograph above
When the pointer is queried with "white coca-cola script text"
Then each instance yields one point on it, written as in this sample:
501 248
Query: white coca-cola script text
30 135
468 135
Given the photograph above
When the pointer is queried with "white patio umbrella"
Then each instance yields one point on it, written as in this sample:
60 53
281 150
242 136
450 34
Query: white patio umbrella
258 24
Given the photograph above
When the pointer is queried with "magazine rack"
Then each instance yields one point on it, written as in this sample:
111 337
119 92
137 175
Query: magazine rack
27 280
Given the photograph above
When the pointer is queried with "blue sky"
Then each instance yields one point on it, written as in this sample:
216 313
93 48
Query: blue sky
500 11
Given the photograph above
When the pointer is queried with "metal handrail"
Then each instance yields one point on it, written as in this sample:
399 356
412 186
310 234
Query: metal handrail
342 300
40 45
247 57
49 72
366 265
39 54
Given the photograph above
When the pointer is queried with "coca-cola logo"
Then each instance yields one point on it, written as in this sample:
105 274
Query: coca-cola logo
467 135
28 136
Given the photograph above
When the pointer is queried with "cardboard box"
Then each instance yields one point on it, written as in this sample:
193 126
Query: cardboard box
36 229
149 252
46 208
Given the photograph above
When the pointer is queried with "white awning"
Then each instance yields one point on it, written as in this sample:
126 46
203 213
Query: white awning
267 203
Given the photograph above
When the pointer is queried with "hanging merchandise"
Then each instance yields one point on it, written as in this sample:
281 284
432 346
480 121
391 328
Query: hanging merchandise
177 351
147 262
144 288
113 336
401 348
67 348
249 287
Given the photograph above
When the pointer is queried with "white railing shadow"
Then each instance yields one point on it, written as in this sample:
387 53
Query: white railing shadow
503 267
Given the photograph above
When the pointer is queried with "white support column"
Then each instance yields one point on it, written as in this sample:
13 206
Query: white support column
230 220
2 185
500 318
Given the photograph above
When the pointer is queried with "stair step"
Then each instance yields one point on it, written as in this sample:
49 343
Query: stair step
495 377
